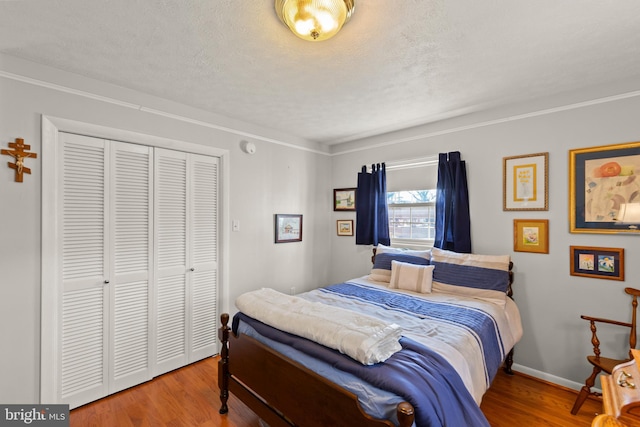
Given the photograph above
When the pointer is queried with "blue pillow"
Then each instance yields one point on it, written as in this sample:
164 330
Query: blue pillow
381 271
483 277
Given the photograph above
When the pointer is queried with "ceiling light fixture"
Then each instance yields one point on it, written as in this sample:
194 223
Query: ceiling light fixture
314 20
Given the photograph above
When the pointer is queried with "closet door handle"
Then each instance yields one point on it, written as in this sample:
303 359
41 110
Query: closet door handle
192 269
106 282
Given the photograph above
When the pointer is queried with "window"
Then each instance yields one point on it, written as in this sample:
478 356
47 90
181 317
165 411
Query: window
412 217
411 198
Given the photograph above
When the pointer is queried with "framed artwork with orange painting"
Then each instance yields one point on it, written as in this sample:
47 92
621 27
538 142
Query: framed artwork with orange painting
604 189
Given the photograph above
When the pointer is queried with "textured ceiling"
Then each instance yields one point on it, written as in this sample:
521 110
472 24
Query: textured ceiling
396 64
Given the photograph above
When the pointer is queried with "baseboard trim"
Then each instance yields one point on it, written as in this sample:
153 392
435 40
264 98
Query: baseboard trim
551 378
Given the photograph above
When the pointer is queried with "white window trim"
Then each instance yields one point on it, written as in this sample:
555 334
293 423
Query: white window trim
410 164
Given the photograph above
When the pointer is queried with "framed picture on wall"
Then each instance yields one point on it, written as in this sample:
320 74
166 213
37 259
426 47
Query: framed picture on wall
598 263
345 227
531 235
344 199
288 228
604 196
525 182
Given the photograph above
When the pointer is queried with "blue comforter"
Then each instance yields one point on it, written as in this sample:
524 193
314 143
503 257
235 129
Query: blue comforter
421 376
480 324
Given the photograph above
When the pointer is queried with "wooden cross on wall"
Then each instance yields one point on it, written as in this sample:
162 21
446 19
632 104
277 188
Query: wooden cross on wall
19 155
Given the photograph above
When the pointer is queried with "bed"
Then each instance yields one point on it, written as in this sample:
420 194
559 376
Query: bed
433 328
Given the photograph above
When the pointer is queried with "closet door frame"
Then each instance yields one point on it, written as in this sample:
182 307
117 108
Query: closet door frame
51 303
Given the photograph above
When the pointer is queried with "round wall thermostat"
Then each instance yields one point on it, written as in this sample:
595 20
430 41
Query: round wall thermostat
248 147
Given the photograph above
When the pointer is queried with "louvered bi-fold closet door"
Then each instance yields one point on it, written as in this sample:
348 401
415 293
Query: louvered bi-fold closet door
186 221
131 230
203 256
105 265
83 370
170 199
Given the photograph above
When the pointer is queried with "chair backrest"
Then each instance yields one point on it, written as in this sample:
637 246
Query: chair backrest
634 304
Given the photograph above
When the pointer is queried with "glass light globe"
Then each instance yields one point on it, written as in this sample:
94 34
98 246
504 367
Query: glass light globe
313 20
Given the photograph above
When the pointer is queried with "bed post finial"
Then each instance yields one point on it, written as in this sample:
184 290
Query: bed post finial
406 414
223 363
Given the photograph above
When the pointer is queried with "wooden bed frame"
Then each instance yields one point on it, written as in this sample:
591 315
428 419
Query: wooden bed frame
285 393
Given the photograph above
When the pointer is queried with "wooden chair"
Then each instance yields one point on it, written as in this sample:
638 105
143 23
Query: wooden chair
605 364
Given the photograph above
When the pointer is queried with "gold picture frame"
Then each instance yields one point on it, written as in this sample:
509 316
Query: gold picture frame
531 235
525 182
344 227
603 189
596 262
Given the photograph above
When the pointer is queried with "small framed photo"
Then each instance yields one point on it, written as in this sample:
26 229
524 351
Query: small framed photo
599 263
603 189
525 182
288 228
345 227
344 199
531 235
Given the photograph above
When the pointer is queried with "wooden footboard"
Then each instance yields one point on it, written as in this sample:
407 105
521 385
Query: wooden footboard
283 392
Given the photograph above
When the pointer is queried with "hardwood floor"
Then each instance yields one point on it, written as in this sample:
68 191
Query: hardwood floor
521 400
190 397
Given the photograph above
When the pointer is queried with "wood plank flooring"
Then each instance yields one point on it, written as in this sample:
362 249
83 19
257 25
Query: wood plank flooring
189 397
520 400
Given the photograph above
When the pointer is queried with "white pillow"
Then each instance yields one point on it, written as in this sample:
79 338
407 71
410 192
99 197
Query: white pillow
411 277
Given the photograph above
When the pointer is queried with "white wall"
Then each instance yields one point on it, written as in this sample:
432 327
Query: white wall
277 179
556 341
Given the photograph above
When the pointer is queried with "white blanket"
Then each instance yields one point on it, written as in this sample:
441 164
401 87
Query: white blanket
364 338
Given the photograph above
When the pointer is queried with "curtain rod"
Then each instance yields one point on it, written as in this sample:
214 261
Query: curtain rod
412 163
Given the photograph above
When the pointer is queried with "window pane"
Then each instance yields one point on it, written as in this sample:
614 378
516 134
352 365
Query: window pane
417 196
419 232
412 222
400 222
